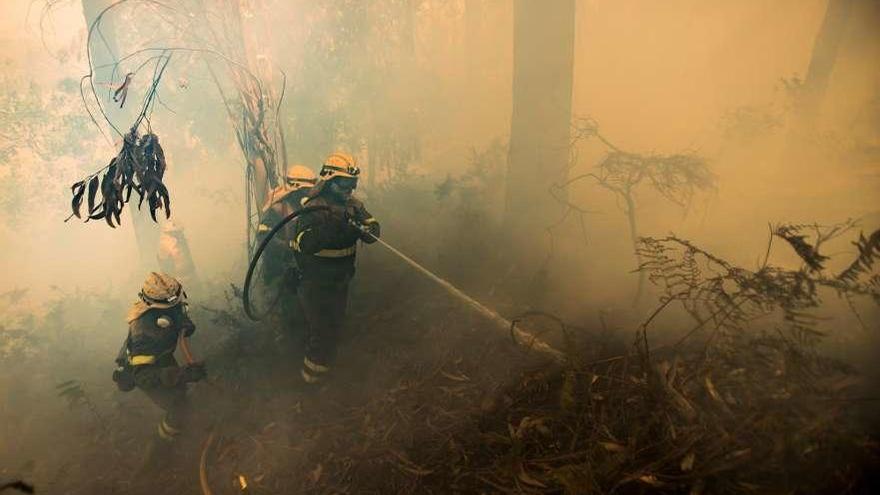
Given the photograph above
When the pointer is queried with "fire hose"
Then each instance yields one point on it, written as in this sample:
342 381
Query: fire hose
519 336
246 293
183 345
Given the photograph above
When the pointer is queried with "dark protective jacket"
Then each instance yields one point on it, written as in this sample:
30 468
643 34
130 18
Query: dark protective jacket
153 336
325 248
276 209
325 243
278 255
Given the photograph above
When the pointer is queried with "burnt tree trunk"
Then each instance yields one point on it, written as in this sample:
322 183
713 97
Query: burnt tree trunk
543 59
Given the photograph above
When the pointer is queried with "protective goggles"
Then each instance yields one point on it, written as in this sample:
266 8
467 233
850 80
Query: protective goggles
345 183
331 170
297 182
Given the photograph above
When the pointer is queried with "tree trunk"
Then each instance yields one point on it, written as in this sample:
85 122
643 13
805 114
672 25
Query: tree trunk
104 49
824 55
634 237
543 59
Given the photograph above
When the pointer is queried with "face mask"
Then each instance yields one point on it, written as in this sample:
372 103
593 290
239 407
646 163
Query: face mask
343 188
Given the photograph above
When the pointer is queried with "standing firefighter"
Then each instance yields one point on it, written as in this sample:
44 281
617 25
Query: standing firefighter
324 245
282 201
156 323
278 262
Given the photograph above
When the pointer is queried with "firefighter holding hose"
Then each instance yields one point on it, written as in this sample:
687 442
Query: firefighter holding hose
325 245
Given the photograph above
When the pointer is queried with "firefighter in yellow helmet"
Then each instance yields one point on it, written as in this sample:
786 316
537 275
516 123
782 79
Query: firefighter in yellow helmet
284 199
157 321
325 244
278 263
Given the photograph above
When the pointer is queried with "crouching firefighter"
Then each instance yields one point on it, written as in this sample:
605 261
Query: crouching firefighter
157 321
325 244
278 262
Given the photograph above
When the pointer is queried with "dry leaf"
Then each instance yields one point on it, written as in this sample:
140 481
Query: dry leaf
525 478
613 447
315 474
512 431
409 466
457 378
650 479
688 462
710 387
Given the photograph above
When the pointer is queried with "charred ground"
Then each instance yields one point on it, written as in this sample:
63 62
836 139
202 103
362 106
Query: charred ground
429 398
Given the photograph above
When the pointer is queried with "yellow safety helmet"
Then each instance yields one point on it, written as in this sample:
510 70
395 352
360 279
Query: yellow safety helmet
339 164
299 176
162 291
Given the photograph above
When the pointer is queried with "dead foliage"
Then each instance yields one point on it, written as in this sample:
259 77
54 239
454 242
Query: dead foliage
869 252
807 239
139 167
726 297
753 416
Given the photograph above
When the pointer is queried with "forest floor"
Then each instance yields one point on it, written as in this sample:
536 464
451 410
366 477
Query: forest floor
428 397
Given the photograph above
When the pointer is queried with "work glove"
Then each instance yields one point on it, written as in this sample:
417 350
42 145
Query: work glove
187 326
367 232
193 372
124 378
370 232
189 330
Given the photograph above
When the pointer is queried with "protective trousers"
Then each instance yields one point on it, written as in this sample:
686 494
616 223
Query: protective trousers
289 317
172 400
168 392
324 303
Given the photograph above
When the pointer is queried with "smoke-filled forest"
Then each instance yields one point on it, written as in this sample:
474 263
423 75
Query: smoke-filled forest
439 246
